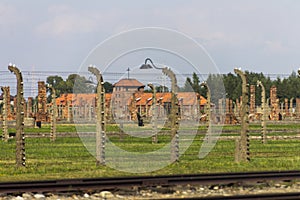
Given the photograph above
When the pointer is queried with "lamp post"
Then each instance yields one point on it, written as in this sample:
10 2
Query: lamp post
100 114
154 113
174 108
53 113
264 115
20 137
243 152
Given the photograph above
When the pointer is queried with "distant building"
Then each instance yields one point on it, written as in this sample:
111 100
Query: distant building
127 99
190 104
79 106
10 104
122 92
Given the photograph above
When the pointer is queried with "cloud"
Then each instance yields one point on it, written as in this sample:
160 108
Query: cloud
9 16
66 24
57 9
64 21
274 47
213 26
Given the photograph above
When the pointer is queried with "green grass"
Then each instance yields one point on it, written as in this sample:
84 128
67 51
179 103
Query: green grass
67 157
71 128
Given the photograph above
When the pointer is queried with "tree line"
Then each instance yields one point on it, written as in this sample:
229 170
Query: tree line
74 83
286 87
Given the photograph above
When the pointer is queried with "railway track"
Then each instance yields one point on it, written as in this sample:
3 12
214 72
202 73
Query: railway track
100 184
278 196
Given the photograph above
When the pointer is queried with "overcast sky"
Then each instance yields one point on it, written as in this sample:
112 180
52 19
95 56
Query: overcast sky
257 35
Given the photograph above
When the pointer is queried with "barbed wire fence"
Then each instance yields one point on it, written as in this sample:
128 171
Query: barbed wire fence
32 77
67 151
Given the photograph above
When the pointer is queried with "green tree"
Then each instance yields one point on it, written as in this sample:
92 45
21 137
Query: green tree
196 83
58 83
188 85
216 84
108 87
286 87
162 88
78 84
233 86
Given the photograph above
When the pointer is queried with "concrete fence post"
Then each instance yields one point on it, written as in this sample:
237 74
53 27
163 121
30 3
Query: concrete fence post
100 117
264 115
20 137
243 150
53 111
154 114
6 103
174 115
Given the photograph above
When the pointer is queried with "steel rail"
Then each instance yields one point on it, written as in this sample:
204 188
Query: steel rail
88 184
265 196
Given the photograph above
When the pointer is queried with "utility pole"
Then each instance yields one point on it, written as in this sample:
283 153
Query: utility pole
100 114
20 137
264 115
242 151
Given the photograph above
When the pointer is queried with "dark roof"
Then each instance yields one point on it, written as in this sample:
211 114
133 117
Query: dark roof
128 83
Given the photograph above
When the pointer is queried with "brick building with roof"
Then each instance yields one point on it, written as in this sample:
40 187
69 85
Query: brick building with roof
78 106
127 99
190 104
122 92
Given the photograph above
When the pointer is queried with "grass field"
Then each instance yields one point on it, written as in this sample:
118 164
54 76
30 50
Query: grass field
67 157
